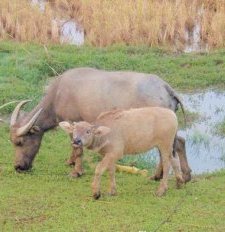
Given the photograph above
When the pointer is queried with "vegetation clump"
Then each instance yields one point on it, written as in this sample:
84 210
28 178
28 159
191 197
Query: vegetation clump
150 22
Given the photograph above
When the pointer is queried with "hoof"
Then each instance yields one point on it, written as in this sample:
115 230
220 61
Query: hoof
70 163
96 196
160 192
179 183
187 177
76 174
155 178
113 193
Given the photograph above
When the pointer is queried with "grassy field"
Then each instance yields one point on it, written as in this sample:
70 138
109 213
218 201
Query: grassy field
46 199
29 67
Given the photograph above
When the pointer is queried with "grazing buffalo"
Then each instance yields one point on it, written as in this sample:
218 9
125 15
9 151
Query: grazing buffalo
82 94
133 131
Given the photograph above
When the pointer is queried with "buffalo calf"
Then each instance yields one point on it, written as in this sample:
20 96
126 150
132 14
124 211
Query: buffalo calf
133 131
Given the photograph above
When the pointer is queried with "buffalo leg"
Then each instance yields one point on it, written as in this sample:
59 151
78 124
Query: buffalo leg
76 157
177 171
71 160
181 151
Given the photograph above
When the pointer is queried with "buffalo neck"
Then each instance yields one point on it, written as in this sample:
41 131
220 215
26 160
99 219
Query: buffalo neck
47 118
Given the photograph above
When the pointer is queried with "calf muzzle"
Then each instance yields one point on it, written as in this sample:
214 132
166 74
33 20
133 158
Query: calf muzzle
77 142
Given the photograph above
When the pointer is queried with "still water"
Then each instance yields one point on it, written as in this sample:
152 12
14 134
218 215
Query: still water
205 148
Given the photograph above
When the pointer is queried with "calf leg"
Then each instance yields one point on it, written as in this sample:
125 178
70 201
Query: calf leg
77 155
166 162
107 162
159 171
112 169
181 151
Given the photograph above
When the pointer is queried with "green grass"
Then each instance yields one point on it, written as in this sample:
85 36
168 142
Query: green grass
190 117
26 68
46 199
220 128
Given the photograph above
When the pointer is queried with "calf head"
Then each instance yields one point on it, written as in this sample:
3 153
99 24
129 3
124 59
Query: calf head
26 138
83 133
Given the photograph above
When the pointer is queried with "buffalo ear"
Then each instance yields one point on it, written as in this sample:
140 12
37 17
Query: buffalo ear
102 130
35 129
66 126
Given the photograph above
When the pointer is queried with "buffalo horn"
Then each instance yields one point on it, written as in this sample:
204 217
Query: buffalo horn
16 112
24 129
8 103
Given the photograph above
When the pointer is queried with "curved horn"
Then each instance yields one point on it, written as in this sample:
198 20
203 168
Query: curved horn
8 103
16 112
24 129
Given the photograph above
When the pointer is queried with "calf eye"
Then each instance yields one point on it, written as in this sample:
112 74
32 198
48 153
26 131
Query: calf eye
88 131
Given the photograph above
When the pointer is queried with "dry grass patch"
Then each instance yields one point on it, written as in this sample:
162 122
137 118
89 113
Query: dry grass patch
151 22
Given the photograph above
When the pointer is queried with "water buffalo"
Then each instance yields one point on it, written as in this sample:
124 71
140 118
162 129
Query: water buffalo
82 94
119 132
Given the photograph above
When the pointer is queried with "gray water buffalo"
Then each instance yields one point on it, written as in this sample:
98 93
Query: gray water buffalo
119 132
82 94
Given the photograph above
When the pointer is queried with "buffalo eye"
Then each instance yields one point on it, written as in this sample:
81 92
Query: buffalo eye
88 132
19 143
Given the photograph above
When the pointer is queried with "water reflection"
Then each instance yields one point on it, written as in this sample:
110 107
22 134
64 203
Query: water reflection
205 149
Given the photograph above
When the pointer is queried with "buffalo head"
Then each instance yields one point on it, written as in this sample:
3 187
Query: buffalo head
26 137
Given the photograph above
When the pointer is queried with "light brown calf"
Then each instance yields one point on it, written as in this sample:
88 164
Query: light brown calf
116 133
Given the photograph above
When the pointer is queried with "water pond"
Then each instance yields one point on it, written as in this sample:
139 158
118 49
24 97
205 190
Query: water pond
205 147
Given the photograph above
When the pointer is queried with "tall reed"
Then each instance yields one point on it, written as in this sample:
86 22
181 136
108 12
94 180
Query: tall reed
151 22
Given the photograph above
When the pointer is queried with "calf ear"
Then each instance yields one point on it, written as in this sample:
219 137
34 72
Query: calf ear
102 130
66 126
